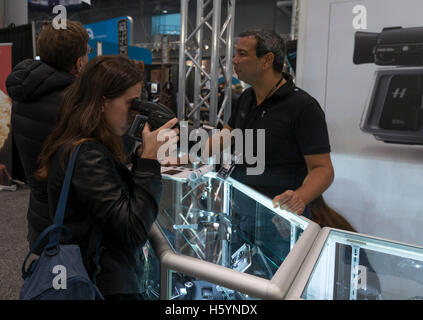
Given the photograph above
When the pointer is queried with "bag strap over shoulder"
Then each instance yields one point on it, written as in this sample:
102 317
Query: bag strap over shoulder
55 231
40 238
55 235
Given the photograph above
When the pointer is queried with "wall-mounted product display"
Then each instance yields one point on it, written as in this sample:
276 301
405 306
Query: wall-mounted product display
219 239
363 62
350 266
394 113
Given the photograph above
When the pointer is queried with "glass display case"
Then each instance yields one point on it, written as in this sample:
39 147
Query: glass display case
219 239
349 266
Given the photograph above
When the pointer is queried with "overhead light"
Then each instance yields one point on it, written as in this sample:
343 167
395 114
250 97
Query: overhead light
164 11
206 47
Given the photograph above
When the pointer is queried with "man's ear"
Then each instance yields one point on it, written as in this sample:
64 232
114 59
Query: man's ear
76 68
79 63
268 60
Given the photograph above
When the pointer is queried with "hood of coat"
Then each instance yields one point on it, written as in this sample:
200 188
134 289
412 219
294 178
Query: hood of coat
32 79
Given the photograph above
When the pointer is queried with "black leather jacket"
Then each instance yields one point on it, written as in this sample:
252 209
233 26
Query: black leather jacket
37 91
106 197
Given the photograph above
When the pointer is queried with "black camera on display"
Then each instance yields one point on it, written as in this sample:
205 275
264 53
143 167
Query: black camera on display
394 46
155 114
394 113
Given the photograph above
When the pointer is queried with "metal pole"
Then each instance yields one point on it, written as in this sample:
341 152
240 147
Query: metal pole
226 253
294 20
229 55
197 82
215 44
164 283
34 42
355 260
182 60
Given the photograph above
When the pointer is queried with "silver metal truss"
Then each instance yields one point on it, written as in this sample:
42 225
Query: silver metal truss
282 5
294 19
221 36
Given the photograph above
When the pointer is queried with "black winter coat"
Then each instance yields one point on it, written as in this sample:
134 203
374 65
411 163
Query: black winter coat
37 91
106 197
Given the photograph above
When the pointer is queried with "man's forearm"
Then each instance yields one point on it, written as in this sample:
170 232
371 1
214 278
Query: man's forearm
315 183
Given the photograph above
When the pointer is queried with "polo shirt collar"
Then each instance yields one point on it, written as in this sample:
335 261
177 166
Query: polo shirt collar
287 87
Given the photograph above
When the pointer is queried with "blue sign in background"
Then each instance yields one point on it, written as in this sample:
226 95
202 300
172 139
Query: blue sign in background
107 33
136 53
107 30
166 24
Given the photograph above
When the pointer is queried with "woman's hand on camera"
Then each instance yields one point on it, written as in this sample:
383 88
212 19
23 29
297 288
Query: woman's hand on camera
140 150
151 143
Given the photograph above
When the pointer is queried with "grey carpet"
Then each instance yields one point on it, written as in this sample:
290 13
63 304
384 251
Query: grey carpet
13 243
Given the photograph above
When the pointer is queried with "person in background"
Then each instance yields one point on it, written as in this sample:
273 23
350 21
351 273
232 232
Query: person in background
36 88
105 199
4 181
325 216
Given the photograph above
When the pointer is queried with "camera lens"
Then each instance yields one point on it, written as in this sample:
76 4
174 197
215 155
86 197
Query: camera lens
363 47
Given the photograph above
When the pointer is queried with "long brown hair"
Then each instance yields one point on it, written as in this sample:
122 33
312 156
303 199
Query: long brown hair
81 117
325 216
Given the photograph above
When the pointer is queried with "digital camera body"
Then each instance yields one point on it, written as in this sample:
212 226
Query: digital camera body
394 111
155 114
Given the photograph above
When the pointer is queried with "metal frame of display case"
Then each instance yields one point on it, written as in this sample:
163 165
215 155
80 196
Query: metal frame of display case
254 286
356 241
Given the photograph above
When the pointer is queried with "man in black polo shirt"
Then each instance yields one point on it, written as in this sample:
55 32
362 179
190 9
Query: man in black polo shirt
298 167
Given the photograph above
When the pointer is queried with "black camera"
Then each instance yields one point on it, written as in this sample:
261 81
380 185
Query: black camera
394 112
393 46
155 114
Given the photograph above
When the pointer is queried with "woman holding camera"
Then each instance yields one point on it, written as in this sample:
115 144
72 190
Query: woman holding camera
105 198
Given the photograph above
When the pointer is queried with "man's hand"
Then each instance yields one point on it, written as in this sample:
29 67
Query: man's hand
289 200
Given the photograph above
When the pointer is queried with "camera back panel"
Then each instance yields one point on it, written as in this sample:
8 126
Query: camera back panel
394 113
